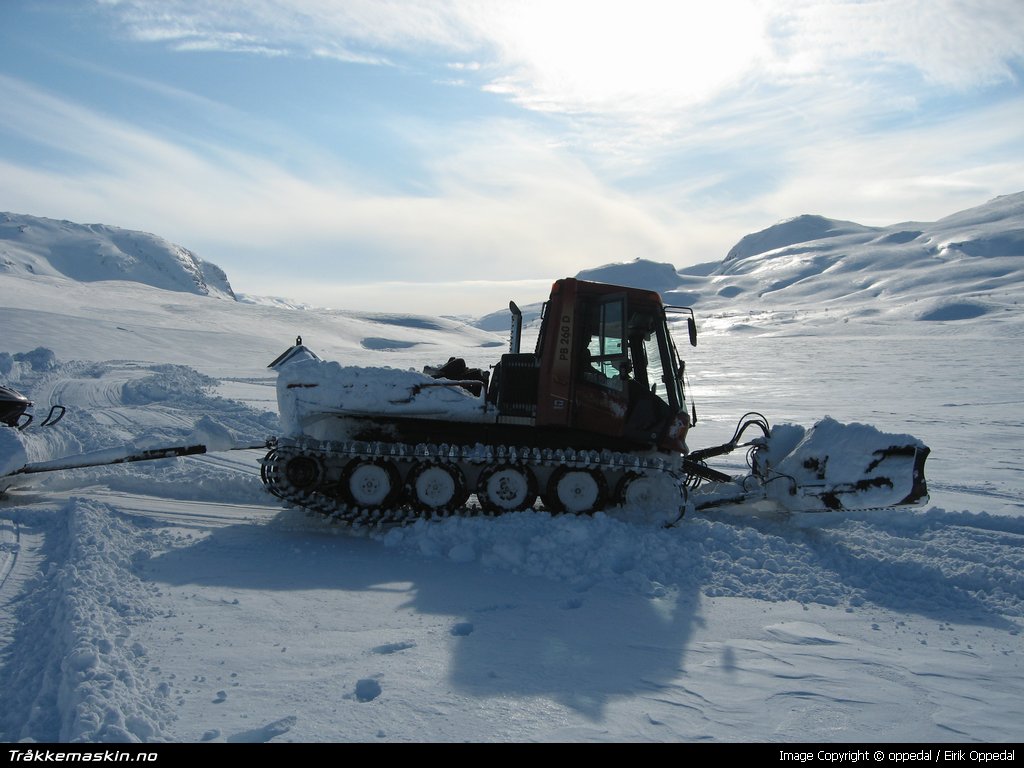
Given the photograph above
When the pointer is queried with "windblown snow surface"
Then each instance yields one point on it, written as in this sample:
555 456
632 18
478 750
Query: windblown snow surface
175 601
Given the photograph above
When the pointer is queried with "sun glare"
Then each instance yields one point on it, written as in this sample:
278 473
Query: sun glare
650 55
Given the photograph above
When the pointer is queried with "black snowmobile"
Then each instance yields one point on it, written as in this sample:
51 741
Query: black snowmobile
14 410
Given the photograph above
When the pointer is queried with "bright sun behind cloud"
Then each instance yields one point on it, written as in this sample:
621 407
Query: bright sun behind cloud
647 56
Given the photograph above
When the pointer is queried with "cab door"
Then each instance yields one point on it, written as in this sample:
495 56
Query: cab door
603 370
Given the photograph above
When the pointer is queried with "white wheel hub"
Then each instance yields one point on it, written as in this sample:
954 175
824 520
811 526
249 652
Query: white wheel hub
578 491
435 487
642 491
370 485
507 488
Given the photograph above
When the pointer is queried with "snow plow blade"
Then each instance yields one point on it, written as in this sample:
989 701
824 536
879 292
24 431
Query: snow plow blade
832 467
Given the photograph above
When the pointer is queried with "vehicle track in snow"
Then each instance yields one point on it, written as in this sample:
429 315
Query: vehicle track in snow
184 513
20 560
9 545
102 393
968 496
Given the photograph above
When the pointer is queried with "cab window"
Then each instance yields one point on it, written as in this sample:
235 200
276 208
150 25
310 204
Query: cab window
605 354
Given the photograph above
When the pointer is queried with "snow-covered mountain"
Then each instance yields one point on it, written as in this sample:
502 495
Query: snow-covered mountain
92 252
964 265
639 273
799 229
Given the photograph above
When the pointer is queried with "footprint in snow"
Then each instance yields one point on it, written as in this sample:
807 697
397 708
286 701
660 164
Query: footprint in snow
393 647
265 733
462 629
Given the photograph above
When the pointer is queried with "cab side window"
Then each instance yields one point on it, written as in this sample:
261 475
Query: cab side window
605 356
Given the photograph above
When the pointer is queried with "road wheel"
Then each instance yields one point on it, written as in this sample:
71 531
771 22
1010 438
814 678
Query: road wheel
437 487
506 488
576 491
371 484
304 472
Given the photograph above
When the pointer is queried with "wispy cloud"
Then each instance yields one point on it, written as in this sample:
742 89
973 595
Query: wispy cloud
533 208
598 131
367 31
628 80
577 56
952 43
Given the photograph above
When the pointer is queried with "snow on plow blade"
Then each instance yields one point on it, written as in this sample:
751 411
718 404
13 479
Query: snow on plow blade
845 467
831 467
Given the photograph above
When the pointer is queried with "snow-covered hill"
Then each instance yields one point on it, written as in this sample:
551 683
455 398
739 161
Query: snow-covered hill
965 265
31 245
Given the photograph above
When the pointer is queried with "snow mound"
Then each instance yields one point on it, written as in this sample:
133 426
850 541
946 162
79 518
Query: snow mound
12 452
31 245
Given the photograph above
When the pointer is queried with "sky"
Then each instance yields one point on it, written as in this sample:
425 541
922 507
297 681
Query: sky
447 155
176 601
